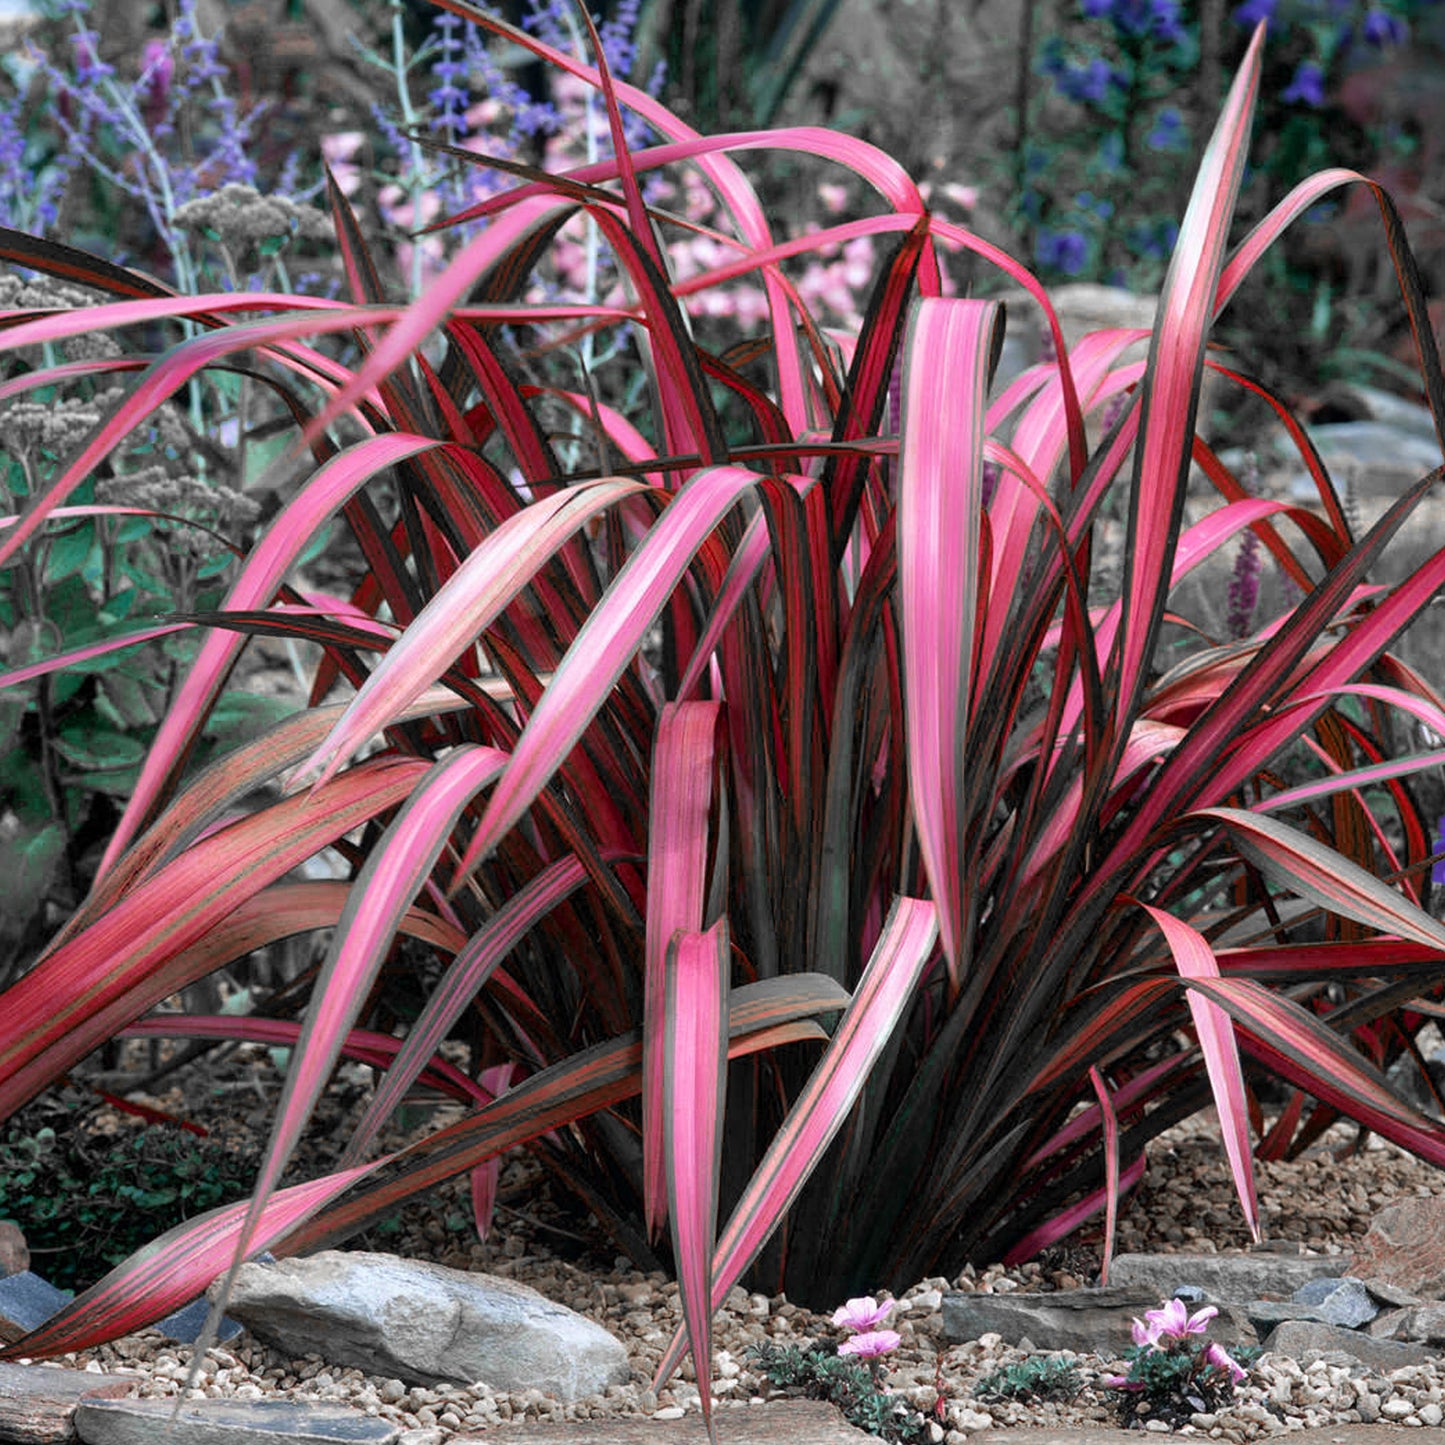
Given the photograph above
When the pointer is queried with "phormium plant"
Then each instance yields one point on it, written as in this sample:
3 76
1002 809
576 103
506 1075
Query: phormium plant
813 815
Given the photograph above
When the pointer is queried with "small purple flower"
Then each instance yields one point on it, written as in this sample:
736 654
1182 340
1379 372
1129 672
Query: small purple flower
1096 9
862 1314
875 1342
1307 86
1382 29
1169 133
1437 870
1253 11
1088 84
1066 251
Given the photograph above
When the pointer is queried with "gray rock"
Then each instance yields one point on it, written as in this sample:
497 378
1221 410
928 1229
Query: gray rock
228 1422
1344 1301
779 1422
26 1302
1305 1341
1232 1278
37 1404
1073 1319
426 1324
1389 1294
1264 1315
1424 1324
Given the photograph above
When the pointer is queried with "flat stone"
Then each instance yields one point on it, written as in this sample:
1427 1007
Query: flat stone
1075 1319
426 1324
14 1252
26 1302
227 1422
779 1422
1344 1301
1231 1278
1305 1342
37 1403
1405 1247
185 1324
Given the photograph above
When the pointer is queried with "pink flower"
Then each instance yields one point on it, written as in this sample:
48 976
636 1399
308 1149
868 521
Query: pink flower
1217 1357
1173 1322
861 1315
875 1342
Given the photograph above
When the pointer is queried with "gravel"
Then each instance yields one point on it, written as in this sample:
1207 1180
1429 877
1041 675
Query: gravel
1325 1201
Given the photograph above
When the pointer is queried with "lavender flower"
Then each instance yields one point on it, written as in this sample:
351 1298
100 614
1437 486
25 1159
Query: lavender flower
1307 86
1062 250
1382 29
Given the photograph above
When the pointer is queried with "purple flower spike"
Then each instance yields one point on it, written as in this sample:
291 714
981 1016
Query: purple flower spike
875 1342
861 1315
1437 872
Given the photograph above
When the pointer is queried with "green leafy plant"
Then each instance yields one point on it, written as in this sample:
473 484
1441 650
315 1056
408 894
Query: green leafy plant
816 807
1040 1377
844 1381
85 1201
1175 1371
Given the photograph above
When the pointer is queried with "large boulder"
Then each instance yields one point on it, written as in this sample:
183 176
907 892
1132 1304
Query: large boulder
426 1324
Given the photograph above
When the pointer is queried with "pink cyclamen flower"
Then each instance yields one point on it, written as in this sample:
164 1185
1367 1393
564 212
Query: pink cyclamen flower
860 1315
1173 1322
875 1342
1219 1358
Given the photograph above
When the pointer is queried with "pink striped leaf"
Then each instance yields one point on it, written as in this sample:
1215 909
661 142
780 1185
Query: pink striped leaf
1064 1223
1314 871
760 1016
695 1056
884 993
394 874
162 380
470 969
172 1270
378 1051
271 558
945 384
464 607
1293 1043
1195 959
486 1176
58 662
606 642
1171 383
1112 1187
80 993
679 815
